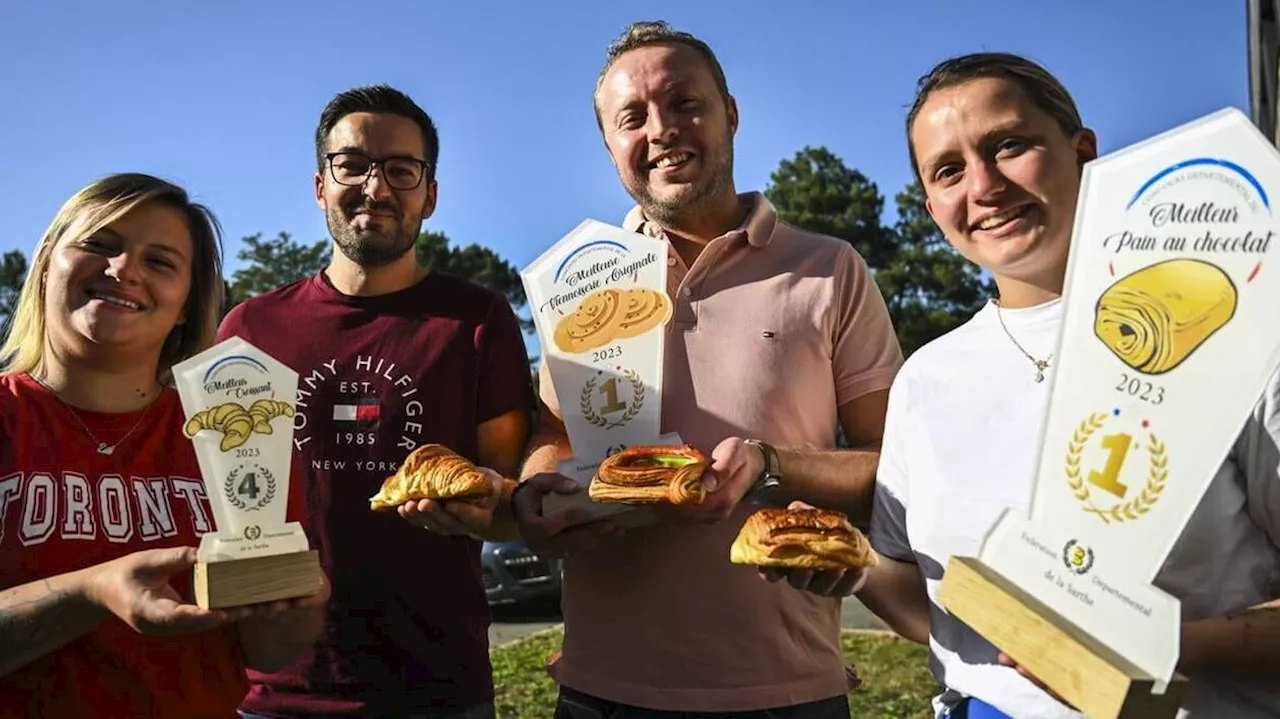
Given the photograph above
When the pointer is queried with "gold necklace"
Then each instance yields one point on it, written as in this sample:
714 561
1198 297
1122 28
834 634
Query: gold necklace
103 447
1041 364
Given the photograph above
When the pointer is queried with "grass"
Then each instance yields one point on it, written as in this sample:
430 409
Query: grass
896 683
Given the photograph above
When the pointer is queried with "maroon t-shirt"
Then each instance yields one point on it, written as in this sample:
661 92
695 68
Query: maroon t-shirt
407 628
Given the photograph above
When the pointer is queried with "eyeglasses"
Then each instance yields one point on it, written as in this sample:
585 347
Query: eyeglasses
354 169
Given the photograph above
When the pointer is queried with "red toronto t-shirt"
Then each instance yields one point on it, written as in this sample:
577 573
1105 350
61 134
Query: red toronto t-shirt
407 626
65 507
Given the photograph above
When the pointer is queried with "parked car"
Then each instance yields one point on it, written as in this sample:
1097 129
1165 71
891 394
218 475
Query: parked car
514 573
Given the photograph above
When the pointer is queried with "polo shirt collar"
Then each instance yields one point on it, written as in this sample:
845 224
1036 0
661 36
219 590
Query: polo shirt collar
758 227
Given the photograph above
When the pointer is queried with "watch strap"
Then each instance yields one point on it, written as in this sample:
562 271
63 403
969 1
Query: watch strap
771 477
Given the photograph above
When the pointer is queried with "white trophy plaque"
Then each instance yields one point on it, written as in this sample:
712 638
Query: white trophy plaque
600 306
1169 338
239 407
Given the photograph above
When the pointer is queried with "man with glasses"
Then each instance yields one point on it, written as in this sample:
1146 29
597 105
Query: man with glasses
391 356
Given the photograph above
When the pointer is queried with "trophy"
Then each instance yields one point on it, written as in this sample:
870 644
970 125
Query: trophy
600 306
1168 341
238 403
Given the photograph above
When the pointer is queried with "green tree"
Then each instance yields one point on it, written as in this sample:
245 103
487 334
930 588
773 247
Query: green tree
13 270
928 287
274 263
815 190
476 263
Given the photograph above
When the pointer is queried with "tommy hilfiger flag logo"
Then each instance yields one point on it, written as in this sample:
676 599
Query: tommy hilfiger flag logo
360 411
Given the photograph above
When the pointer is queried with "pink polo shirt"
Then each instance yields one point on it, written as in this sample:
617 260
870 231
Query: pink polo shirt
774 328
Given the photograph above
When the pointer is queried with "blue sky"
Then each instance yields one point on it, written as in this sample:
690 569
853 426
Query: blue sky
223 97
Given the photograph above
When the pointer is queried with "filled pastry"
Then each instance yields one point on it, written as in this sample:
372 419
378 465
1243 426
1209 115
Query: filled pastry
649 475
432 471
801 539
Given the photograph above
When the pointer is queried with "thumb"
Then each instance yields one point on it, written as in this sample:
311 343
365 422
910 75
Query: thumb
166 561
710 481
564 485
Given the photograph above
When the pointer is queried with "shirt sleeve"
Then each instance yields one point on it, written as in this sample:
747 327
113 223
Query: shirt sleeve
888 531
232 324
547 390
866 355
1258 454
506 383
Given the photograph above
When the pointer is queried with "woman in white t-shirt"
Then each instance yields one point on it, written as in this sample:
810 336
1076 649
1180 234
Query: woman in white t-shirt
999 147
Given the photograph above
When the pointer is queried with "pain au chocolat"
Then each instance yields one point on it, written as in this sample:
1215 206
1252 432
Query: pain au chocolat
650 475
432 471
801 539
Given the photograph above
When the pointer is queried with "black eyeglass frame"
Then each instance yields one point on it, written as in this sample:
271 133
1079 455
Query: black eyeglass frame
373 165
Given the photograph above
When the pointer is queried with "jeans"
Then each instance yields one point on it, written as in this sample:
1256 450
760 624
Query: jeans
479 711
976 709
576 705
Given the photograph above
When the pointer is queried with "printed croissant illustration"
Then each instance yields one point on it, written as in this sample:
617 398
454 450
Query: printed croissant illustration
236 423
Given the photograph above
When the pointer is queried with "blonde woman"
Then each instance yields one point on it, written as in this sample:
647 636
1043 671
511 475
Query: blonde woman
101 503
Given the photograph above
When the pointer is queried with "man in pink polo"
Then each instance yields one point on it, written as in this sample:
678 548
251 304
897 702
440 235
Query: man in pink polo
778 335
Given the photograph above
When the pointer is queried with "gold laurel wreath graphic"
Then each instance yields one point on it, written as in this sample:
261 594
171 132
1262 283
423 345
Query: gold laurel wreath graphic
234 498
633 408
1134 508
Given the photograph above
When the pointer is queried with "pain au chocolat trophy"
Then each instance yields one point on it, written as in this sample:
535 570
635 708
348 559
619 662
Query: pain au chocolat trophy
1169 337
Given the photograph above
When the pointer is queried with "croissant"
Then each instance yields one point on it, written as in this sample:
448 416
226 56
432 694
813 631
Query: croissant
801 539
432 471
649 475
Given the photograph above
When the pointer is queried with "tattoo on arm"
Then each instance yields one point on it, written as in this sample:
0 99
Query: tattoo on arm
39 618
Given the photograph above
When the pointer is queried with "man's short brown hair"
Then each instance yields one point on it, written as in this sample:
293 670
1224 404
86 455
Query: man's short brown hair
656 32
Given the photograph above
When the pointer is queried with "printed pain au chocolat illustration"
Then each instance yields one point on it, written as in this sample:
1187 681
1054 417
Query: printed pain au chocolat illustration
236 422
611 314
1154 318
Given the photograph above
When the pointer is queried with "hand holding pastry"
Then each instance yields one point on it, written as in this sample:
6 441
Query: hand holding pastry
815 550
466 516
439 490
560 533
735 466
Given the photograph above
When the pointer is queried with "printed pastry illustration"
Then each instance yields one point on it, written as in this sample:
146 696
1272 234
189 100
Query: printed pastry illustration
236 423
432 471
1154 318
611 314
801 539
648 475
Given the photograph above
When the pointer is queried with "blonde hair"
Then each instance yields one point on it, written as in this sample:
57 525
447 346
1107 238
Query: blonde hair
88 211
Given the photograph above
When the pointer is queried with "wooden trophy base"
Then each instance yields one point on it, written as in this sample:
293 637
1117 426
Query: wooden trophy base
237 582
1083 671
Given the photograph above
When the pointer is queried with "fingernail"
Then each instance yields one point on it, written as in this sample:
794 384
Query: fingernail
710 483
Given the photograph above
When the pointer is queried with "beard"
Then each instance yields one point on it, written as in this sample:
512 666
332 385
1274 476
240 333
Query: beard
691 200
368 247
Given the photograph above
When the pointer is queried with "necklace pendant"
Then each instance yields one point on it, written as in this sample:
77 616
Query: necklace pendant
104 448
1039 376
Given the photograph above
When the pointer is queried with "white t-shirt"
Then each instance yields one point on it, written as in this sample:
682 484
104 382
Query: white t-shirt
965 415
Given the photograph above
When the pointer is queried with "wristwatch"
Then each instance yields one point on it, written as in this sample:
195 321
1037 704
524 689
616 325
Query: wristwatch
771 477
